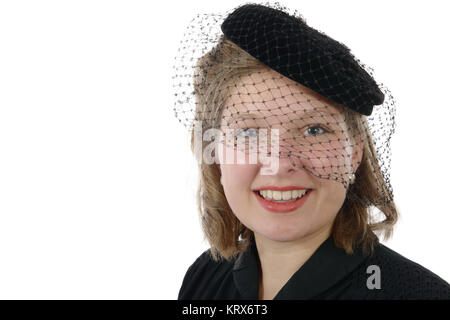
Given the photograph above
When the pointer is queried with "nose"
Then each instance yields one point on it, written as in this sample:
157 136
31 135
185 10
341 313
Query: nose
284 156
281 166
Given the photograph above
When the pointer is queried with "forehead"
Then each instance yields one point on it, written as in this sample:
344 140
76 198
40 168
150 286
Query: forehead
268 93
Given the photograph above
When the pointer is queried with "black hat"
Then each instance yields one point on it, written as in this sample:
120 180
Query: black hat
289 46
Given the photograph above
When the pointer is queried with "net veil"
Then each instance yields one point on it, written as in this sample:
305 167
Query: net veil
261 82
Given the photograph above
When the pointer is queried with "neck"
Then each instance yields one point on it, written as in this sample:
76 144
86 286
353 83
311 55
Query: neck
279 260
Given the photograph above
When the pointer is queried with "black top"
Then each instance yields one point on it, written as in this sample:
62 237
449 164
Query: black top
329 273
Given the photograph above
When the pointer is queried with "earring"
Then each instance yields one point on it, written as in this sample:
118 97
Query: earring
352 178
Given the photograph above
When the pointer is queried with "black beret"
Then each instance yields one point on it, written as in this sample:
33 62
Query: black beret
292 48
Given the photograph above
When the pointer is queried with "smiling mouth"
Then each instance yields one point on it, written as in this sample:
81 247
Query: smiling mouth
270 196
282 206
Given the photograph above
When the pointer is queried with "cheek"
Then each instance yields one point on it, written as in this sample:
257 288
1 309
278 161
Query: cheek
331 159
235 175
331 196
237 180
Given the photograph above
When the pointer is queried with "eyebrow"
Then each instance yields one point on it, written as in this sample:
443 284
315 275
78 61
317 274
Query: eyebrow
245 116
241 115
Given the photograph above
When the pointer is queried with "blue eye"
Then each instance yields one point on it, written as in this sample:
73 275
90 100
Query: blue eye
316 130
247 132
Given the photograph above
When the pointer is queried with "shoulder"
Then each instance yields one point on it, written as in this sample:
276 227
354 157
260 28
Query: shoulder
202 273
403 278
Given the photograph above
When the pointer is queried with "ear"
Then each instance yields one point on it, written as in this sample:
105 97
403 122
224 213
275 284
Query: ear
357 155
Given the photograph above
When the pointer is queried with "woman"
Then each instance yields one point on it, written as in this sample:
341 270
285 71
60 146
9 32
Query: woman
297 223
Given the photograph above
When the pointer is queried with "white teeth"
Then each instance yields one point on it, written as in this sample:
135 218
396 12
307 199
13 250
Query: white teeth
276 195
282 195
286 195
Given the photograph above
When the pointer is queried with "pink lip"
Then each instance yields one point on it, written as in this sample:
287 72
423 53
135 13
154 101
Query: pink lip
287 188
282 207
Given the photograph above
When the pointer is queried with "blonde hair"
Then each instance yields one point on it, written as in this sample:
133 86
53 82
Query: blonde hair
226 235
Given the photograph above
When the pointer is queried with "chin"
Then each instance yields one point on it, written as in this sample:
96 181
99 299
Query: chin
284 234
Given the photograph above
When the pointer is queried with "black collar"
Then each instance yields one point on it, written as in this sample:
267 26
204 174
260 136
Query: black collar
327 265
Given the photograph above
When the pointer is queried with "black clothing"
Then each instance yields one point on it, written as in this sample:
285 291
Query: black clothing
329 273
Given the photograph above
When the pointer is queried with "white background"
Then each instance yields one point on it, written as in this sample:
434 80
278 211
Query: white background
96 177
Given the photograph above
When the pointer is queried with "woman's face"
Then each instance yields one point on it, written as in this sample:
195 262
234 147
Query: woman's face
316 152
